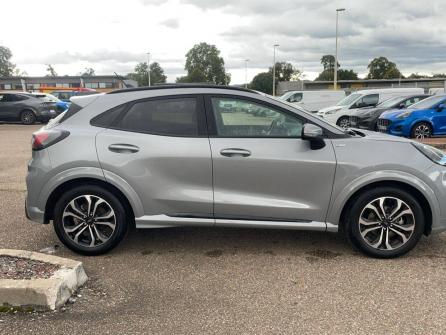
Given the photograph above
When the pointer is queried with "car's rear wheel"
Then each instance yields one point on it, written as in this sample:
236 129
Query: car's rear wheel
343 122
421 130
27 117
385 222
90 220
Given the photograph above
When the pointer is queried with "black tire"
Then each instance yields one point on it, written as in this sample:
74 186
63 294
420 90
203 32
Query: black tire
354 229
421 130
120 220
27 117
343 122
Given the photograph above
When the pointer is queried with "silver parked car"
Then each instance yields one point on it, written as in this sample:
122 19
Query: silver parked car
196 155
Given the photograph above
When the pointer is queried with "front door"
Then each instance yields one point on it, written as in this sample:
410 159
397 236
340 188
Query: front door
8 107
262 169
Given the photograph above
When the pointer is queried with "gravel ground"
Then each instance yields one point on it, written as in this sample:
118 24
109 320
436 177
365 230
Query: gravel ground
22 268
226 281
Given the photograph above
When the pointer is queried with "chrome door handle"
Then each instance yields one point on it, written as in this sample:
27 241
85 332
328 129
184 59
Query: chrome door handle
231 152
123 148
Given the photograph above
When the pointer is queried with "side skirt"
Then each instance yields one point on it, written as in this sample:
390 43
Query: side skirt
164 221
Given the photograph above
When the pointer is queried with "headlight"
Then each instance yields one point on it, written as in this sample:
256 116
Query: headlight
434 154
333 111
404 115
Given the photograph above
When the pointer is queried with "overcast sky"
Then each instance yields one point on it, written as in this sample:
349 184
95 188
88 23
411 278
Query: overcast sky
112 36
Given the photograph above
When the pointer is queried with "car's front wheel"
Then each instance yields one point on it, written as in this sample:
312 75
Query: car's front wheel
343 122
421 130
385 222
90 220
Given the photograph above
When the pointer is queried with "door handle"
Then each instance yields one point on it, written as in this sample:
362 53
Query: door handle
123 148
231 152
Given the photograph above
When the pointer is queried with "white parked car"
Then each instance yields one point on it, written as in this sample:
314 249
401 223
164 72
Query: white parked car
438 90
339 113
313 100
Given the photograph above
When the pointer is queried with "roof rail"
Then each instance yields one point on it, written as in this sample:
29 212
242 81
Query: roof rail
171 86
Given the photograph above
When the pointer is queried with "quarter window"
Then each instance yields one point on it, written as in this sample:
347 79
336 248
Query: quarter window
243 118
174 117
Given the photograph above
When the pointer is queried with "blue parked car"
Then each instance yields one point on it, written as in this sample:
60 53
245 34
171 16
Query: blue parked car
424 119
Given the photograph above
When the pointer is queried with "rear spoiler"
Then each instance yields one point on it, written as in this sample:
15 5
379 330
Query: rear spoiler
84 100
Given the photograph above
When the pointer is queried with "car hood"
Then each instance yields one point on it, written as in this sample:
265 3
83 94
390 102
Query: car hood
362 111
329 109
375 136
392 113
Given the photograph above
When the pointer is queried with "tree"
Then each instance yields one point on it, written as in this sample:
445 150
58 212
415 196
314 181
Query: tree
382 68
204 64
263 82
140 75
285 72
51 71
89 72
6 67
439 75
328 62
327 74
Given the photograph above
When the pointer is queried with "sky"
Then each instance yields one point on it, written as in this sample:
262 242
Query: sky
113 36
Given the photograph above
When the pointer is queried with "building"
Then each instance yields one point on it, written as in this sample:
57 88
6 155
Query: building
352 85
99 83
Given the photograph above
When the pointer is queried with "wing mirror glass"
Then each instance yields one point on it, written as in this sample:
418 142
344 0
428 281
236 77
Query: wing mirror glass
441 107
314 134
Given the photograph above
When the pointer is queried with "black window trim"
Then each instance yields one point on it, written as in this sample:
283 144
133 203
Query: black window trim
212 126
201 117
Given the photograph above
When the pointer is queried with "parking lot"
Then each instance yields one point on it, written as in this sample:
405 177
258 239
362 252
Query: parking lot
225 281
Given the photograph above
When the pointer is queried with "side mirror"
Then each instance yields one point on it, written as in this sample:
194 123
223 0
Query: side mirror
401 106
313 134
440 107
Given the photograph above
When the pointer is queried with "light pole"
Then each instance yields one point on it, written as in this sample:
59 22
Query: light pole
246 73
148 67
274 70
335 84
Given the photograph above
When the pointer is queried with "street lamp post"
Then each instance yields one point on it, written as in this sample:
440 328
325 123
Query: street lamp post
246 73
274 70
335 84
148 67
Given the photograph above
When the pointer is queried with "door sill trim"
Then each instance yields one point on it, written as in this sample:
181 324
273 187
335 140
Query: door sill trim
164 221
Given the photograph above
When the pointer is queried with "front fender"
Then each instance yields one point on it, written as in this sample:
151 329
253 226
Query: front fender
340 200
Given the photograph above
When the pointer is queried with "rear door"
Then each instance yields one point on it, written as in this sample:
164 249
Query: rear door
262 169
160 147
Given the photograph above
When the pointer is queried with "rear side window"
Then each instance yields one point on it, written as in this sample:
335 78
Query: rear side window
370 100
172 116
107 118
73 109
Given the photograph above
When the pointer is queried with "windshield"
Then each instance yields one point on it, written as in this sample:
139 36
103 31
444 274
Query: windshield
389 102
347 101
429 102
285 96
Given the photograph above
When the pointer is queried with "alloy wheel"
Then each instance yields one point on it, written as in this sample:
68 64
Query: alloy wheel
386 223
89 220
344 123
422 131
28 118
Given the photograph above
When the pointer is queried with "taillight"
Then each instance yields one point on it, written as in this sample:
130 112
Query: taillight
44 138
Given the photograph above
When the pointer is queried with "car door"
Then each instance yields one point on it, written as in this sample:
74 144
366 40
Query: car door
8 107
438 117
262 169
160 147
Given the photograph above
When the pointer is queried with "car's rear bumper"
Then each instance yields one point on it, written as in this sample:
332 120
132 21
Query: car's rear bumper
34 213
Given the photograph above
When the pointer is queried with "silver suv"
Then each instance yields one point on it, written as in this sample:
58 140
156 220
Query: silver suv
220 156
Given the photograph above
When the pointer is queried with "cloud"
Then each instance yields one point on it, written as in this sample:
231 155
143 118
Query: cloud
171 23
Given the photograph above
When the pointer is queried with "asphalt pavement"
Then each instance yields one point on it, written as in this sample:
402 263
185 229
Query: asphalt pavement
225 281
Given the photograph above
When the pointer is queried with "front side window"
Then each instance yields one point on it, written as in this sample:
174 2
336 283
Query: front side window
243 118
173 116
297 97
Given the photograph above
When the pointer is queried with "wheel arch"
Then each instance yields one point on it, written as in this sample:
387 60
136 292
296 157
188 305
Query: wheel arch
414 191
69 184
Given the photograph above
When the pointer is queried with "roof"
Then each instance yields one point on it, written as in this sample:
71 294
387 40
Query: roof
173 86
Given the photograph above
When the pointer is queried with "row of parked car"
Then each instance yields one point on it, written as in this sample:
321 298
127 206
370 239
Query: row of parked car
31 107
398 111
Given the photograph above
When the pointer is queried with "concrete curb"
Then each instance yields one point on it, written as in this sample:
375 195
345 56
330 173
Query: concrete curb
42 294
